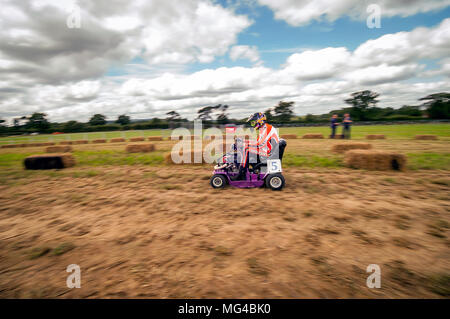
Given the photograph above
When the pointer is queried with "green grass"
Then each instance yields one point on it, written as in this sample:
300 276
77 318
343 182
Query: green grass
308 154
291 160
403 131
112 157
429 161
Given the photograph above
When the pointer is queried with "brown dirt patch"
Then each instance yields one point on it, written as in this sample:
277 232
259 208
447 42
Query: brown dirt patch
163 232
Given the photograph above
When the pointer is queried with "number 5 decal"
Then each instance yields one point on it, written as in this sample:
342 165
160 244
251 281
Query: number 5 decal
274 166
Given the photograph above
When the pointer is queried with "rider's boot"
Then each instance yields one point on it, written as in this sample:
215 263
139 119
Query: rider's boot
241 175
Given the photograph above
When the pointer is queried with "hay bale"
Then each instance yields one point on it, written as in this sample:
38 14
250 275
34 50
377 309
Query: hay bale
81 142
99 141
34 144
66 143
342 148
137 139
59 149
13 145
140 148
288 136
425 137
192 155
155 138
337 136
54 161
375 137
375 160
313 136
117 140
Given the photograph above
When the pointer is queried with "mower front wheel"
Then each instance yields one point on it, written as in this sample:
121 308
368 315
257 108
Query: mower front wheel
218 181
275 182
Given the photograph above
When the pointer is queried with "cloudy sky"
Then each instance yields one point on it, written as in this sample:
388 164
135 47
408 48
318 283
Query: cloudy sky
146 57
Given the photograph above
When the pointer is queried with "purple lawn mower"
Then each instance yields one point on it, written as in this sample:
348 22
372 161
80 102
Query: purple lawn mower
263 173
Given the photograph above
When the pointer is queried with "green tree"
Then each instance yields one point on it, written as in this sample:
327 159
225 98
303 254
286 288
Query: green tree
437 105
73 126
173 116
123 119
2 121
361 103
222 118
309 118
283 111
269 115
205 113
98 119
38 121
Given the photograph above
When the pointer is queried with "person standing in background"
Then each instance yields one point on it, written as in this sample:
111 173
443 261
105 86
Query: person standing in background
346 123
333 124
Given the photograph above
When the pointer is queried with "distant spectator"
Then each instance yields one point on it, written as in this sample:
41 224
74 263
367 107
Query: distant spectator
346 124
334 124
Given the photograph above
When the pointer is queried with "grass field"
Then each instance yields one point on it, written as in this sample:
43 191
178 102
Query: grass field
405 131
299 153
141 228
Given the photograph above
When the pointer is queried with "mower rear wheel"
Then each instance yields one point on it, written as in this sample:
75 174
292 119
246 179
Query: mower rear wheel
218 181
275 182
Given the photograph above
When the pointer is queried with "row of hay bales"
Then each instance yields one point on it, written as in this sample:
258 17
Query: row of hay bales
193 137
131 148
79 142
369 137
59 156
27 145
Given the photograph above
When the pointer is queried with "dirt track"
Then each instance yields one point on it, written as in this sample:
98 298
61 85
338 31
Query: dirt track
160 232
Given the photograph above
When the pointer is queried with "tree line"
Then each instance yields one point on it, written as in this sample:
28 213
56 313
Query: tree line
362 106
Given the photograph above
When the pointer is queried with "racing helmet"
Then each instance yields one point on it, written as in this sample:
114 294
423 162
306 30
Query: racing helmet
257 120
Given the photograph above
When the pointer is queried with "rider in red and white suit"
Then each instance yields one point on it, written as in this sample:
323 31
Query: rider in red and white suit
267 137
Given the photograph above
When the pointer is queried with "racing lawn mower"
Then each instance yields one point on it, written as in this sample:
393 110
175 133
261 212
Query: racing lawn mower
265 172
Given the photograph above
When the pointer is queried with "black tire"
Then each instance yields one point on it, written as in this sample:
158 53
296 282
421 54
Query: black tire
218 181
275 182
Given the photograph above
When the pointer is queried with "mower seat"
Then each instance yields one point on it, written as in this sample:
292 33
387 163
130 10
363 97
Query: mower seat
277 153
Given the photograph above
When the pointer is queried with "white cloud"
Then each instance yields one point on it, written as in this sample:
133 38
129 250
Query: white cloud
245 52
36 42
47 67
317 64
302 12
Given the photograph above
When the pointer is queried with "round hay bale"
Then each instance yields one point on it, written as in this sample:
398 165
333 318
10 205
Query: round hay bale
313 136
81 142
344 147
425 137
54 161
99 141
66 143
192 154
137 139
155 138
289 136
59 149
375 160
376 137
140 148
117 140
